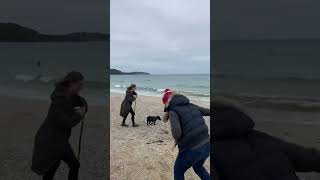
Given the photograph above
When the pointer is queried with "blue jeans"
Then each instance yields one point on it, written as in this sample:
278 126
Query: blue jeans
192 158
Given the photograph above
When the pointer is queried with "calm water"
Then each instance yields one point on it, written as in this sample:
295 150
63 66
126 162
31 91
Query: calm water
194 85
268 70
20 75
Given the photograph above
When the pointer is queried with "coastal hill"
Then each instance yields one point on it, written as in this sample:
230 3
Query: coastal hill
118 72
10 32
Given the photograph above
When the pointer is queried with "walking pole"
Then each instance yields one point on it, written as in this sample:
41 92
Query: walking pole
81 130
135 104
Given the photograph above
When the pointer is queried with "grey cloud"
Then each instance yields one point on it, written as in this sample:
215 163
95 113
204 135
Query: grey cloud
253 19
160 36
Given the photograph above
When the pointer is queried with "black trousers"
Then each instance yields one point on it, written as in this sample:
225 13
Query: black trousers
132 116
70 159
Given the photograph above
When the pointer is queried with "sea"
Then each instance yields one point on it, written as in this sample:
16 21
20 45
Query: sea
195 86
277 75
273 73
31 69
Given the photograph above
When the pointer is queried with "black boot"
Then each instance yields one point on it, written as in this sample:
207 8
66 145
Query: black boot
133 123
124 122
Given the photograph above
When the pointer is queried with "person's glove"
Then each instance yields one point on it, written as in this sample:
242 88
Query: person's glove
79 110
83 111
84 105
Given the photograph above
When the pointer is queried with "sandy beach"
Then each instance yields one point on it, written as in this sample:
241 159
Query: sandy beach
143 152
20 119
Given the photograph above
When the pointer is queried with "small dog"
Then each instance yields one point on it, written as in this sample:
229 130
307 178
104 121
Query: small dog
152 120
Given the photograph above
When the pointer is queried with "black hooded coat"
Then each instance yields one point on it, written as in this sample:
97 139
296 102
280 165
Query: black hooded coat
52 138
126 105
241 153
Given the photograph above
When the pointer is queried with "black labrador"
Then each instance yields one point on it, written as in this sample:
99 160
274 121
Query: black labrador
152 120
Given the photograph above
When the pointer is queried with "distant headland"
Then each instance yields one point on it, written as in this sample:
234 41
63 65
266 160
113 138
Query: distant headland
118 72
11 32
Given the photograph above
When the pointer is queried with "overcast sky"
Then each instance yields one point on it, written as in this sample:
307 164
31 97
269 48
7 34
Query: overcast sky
160 36
252 19
57 16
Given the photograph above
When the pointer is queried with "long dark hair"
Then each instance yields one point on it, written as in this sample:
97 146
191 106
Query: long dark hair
131 87
72 76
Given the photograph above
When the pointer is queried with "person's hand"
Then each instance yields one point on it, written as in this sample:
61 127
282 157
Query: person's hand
80 110
77 110
83 110
84 104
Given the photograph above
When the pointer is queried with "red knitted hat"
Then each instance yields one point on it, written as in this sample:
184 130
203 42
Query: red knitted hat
166 96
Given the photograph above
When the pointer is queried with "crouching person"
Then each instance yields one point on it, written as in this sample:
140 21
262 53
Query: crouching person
51 142
190 133
243 153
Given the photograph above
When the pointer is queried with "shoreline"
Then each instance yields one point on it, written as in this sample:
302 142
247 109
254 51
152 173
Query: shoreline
192 98
42 92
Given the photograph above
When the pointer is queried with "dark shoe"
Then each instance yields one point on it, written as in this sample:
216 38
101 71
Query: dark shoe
124 125
135 125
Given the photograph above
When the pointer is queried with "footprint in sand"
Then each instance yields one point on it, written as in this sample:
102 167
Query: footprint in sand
149 168
165 166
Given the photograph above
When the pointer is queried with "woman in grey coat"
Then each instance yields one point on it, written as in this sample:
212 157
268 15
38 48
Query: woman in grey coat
126 105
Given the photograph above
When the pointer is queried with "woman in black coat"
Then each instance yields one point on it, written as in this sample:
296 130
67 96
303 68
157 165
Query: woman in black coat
242 153
51 142
126 105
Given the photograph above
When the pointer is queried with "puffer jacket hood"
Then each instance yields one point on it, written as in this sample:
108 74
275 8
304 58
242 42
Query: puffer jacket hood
175 99
229 121
178 100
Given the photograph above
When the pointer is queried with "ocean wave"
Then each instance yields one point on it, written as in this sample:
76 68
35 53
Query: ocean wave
160 91
273 102
29 78
188 86
267 77
294 78
45 79
24 77
141 88
194 93
120 86
226 75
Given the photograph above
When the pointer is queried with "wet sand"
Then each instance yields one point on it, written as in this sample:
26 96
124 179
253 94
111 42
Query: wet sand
20 119
143 152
